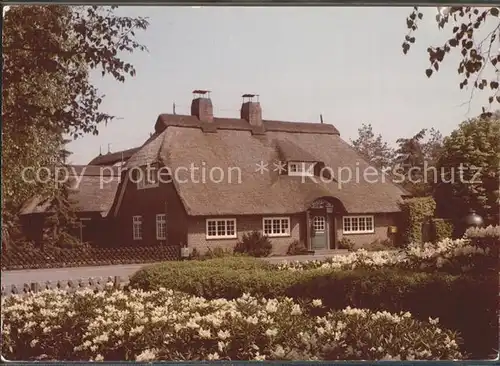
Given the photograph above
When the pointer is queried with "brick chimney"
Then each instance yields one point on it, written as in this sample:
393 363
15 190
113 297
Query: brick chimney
201 106
250 110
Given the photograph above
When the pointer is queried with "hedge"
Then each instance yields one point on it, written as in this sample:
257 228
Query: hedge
415 211
30 258
441 229
463 303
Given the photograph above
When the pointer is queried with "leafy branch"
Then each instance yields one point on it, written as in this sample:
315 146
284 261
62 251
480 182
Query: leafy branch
476 57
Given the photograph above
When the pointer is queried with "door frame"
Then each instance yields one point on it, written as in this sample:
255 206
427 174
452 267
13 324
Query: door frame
326 233
329 227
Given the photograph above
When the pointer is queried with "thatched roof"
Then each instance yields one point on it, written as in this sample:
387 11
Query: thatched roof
94 193
232 143
113 158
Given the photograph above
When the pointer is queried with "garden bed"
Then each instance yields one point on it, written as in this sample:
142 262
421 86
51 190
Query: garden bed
114 325
432 293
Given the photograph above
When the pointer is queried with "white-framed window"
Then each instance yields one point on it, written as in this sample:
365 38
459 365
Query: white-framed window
137 227
147 178
301 169
319 224
358 224
276 226
161 227
221 229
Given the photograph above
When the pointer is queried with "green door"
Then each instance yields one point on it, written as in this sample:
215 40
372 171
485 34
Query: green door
319 236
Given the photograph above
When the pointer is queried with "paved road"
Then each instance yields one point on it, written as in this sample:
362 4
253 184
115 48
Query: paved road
20 277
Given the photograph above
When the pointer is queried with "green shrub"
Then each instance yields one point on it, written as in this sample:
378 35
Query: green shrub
441 229
378 245
346 243
452 298
195 254
217 252
297 248
414 212
254 244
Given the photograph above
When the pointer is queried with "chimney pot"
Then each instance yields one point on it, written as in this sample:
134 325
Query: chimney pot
251 110
201 106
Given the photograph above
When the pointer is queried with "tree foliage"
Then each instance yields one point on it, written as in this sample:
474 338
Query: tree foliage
476 33
407 163
68 42
373 149
61 225
469 165
48 54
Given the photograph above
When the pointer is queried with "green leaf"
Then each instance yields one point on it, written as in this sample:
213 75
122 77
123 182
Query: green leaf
428 72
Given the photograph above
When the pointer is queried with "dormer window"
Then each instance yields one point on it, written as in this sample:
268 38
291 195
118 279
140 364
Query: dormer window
147 178
300 169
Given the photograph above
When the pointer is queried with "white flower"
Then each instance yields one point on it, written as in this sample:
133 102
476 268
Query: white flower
223 334
252 320
213 356
192 324
317 303
296 310
278 352
146 355
271 332
204 333
259 357
101 338
433 321
221 345
272 306
99 357
137 330
33 343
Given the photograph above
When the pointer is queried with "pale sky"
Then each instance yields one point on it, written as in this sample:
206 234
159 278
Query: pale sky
344 63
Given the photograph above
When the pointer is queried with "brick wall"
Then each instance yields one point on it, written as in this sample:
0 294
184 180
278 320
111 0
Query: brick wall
244 224
382 223
148 203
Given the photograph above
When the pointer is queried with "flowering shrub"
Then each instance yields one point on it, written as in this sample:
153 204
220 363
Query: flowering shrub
459 255
451 297
163 325
487 232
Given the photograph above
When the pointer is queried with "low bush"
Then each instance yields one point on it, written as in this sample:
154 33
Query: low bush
452 298
378 245
441 229
164 325
217 252
297 248
254 244
346 243
470 255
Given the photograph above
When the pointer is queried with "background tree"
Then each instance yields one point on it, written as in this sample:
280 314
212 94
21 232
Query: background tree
373 149
476 33
48 53
416 159
61 226
475 146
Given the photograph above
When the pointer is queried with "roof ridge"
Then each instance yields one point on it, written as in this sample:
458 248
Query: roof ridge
226 123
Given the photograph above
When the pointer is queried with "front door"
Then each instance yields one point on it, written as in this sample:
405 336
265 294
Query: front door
319 232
